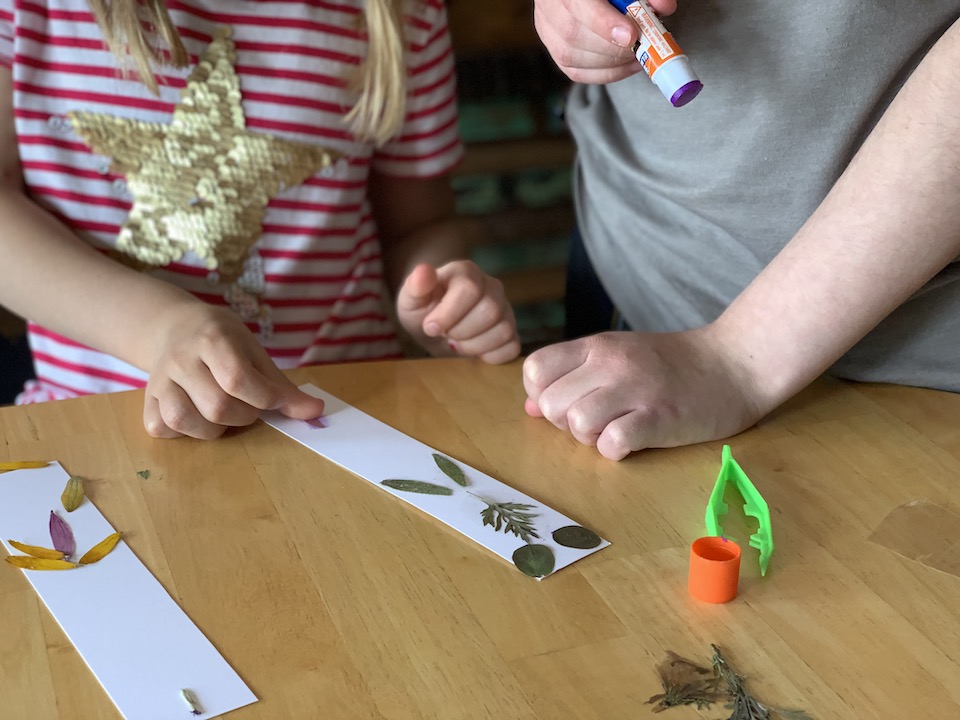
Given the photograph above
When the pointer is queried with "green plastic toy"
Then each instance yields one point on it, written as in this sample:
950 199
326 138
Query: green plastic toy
753 506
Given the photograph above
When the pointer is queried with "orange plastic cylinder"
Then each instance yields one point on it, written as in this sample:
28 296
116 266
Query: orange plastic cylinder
714 569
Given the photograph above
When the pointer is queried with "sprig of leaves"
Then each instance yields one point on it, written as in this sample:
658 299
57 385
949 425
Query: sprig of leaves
511 517
743 704
686 683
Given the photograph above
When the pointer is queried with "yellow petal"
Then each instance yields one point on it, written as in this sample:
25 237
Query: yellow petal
34 563
37 552
22 465
72 494
101 549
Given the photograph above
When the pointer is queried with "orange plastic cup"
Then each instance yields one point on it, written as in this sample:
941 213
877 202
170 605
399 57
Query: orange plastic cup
714 569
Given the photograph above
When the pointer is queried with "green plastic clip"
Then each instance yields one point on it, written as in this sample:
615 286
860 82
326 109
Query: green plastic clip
753 506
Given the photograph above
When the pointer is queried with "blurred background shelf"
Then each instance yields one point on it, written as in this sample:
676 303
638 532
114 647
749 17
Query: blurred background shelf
516 176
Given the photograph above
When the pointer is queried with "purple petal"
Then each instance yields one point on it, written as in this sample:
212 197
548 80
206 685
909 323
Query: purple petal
62 535
320 423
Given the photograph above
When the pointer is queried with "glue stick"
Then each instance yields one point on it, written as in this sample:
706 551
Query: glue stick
661 57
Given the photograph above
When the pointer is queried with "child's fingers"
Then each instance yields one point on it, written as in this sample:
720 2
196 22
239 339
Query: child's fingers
470 297
172 413
419 289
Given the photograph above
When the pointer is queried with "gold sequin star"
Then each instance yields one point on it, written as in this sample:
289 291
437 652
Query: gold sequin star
202 182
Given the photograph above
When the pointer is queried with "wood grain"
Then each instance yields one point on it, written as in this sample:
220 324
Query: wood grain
334 600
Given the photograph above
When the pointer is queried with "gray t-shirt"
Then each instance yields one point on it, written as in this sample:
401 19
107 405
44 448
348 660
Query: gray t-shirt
681 208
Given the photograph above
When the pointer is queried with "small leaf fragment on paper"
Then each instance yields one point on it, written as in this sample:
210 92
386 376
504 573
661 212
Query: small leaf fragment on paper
143 474
35 563
72 494
62 535
417 486
101 549
450 469
36 551
22 465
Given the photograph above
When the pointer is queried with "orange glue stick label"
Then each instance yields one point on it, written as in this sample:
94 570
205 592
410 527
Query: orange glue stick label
660 55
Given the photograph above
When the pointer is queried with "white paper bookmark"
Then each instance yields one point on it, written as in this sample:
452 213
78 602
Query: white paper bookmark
137 641
534 537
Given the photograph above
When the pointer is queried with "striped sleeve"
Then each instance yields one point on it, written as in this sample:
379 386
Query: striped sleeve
429 143
6 32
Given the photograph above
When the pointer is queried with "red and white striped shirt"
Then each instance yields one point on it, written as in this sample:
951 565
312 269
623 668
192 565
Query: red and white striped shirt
312 287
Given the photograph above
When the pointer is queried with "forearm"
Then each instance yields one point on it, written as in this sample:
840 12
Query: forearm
889 224
435 244
55 279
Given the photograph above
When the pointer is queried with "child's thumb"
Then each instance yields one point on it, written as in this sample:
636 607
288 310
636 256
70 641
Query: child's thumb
299 405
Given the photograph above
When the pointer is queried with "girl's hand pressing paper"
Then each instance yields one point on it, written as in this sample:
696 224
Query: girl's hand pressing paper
626 391
210 373
590 40
458 306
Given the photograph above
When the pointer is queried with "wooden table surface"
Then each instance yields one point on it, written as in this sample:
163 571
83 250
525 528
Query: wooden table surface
332 599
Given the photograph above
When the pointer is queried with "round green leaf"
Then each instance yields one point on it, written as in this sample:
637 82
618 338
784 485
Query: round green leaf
575 536
534 560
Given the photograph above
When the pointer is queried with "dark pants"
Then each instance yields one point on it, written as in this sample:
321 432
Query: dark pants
588 309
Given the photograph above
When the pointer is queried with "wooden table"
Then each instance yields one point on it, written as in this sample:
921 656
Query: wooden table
334 600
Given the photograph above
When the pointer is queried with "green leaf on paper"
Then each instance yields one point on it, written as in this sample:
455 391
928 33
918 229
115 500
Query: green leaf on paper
72 494
143 474
574 536
534 560
450 469
511 517
417 486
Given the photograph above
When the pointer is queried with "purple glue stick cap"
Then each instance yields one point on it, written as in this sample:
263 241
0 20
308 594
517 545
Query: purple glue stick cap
686 93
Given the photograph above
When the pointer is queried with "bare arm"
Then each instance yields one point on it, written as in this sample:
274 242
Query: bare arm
890 223
207 372
443 300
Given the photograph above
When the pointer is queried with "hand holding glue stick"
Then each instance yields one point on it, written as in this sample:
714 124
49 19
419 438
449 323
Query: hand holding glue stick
660 55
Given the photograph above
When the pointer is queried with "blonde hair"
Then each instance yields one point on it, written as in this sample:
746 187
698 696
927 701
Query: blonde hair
142 30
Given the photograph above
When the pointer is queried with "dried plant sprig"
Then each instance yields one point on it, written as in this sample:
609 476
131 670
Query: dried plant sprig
743 704
511 517
687 683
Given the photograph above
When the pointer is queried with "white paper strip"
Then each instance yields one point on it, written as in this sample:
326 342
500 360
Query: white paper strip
377 452
137 641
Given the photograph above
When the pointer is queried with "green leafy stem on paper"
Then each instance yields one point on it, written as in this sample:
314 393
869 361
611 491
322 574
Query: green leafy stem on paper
532 559
510 517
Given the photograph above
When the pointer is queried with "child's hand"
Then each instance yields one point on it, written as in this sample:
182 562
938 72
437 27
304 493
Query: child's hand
625 391
590 40
460 306
210 373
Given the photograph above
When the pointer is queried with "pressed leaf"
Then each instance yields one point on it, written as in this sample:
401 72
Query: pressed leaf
22 465
101 549
534 560
72 494
450 469
35 563
417 486
144 474
36 551
62 535
574 536
512 517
